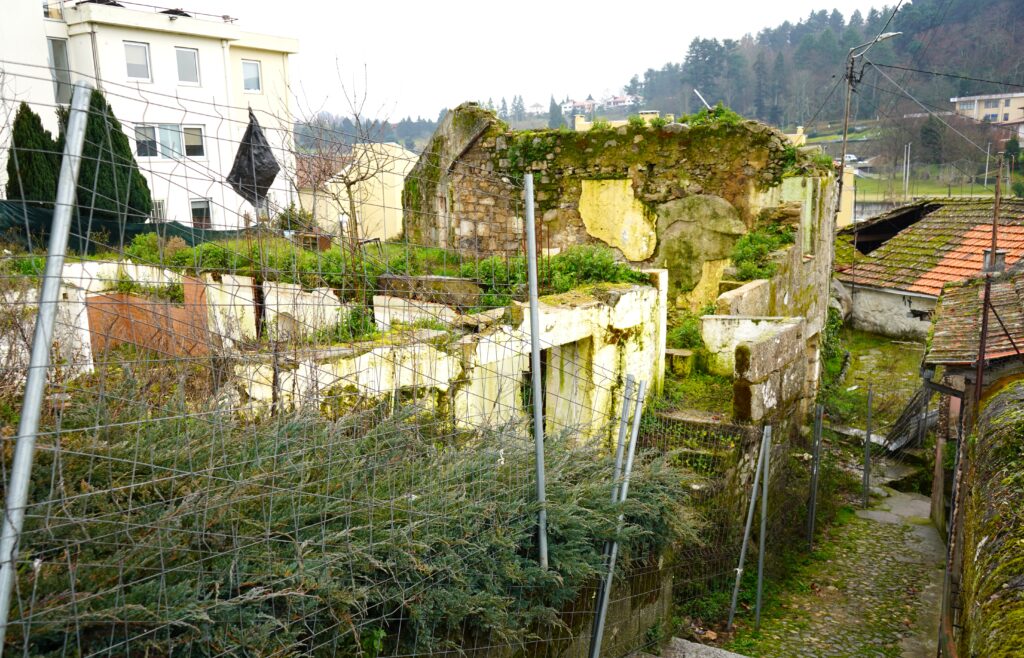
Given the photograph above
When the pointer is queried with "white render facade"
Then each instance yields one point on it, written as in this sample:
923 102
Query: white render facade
180 84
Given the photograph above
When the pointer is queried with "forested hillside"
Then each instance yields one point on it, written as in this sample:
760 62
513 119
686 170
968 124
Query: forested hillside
792 74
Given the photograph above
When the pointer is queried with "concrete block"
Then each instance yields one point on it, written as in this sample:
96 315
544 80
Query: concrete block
777 345
752 298
753 402
448 290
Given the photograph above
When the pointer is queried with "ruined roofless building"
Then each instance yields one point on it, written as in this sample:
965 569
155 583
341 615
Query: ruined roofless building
676 196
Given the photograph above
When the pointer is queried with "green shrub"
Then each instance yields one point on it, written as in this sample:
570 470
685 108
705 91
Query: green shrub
685 334
719 115
370 523
172 292
1018 189
636 122
659 122
505 279
751 255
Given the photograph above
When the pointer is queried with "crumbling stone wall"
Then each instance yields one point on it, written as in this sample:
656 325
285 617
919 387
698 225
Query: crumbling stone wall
689 191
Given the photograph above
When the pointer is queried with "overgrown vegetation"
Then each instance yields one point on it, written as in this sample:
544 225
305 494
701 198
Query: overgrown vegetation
374 534
700 391
505 279
752 253
171 292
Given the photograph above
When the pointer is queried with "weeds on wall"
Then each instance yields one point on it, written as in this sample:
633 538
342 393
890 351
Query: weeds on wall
752 253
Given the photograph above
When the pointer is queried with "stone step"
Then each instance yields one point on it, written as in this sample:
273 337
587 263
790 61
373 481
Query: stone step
678 648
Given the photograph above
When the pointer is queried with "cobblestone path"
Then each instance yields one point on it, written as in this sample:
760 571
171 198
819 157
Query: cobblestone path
875 593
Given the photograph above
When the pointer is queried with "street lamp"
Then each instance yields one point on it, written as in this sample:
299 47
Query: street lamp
851 58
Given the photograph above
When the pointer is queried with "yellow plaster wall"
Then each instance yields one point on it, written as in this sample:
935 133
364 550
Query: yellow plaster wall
612 214
706 290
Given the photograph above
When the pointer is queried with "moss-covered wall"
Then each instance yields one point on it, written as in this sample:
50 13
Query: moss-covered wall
676 196
992 582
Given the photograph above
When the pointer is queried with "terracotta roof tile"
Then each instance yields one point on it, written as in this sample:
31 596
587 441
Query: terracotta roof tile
958 321
943 246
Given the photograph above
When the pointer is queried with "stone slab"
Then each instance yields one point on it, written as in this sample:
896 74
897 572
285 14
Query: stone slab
771 351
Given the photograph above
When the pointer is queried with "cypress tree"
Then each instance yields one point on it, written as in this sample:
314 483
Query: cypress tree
109 180
33 161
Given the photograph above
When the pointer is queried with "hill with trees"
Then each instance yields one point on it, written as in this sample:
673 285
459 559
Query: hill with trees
792 74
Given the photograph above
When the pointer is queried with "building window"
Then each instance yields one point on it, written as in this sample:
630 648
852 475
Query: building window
201 213
188 65
990 117
1006 116
194 147
1006 103
53 9
61 70
137 57
159 211
966 105
251 79
991 104
145 141
169 140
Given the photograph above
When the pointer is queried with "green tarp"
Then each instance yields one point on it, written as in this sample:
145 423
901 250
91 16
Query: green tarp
29 224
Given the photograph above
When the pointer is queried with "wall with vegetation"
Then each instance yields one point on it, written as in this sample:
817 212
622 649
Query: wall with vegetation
672 195
992 582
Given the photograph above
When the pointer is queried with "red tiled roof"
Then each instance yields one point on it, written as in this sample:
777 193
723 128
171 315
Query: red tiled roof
945 245
957 326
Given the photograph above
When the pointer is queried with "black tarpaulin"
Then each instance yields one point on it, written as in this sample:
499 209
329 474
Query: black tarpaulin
255 168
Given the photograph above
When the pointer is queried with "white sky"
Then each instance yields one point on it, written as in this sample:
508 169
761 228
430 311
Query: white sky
421 56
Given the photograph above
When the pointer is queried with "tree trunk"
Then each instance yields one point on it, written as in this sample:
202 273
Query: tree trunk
355 251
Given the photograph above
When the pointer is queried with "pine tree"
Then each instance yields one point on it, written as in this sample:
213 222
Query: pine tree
761 97
34 160
555 118
503 110
518 108
109 180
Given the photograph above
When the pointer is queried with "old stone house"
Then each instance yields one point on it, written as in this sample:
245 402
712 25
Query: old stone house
676 196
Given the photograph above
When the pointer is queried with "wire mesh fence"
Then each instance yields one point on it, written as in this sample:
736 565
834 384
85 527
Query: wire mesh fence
269 428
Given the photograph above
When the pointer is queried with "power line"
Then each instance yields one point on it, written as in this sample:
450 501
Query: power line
949 75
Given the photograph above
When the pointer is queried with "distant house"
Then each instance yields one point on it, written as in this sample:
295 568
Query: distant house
1001 109
537 109
895 265
620 101
319 179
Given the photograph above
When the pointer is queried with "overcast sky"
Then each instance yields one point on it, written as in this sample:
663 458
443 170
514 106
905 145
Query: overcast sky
422 56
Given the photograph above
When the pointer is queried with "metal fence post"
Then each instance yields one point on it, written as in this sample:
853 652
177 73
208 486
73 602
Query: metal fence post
746 529
606 591
39 361
764 522
867 453
812 511
538 399
598 625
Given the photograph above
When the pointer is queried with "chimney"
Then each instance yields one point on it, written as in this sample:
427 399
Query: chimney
997 265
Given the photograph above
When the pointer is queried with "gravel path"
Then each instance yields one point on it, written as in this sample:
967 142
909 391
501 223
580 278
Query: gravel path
876 594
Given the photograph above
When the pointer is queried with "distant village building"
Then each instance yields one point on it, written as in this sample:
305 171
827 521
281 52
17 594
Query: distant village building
378 198
1000 109
180 82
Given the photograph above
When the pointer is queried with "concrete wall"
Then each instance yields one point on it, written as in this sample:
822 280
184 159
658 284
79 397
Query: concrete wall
591 340
175 330
892 313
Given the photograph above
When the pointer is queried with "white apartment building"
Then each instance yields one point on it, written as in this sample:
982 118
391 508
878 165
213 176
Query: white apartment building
181 84
1002 109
